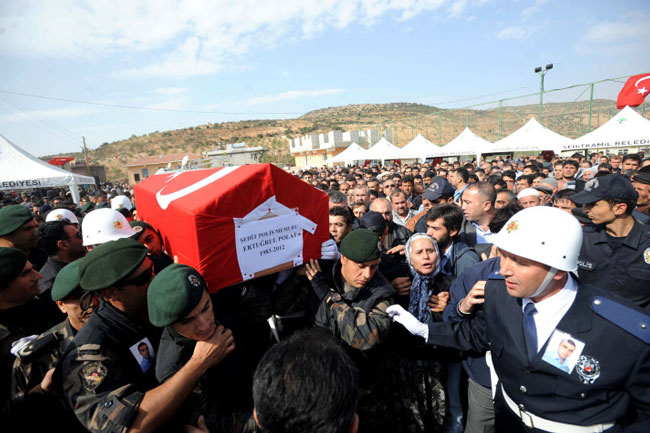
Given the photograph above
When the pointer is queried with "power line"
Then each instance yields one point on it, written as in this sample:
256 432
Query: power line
48 130
135 107
24 107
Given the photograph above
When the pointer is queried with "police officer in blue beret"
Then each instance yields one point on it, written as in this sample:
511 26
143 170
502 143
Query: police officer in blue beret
615 253
527 315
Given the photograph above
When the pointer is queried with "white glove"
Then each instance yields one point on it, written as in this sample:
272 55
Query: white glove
329 251
407 320
19 344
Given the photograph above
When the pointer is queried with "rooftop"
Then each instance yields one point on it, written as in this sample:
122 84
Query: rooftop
163 159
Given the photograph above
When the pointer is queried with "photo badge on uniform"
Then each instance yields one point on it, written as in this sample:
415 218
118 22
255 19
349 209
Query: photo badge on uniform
144 354
563 351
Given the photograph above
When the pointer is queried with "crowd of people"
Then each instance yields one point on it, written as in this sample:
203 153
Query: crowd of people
500 295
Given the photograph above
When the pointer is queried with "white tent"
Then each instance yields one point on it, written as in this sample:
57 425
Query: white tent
352 153
466 143
419 148
20 170
533 136
627 128
383 150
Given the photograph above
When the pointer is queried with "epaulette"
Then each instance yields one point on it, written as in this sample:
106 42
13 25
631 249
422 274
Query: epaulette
628 319
495 276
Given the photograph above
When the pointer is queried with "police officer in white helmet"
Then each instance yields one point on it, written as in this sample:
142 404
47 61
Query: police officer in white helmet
103 225
566 357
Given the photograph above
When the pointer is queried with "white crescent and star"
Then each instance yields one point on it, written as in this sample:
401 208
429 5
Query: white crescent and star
642 90
165 199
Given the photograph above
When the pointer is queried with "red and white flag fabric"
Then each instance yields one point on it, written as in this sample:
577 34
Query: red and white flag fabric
235 223
634 91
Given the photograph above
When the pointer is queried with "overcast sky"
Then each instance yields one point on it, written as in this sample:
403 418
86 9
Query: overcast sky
235 60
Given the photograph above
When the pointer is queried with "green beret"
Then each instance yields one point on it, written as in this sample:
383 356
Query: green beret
139 227
360 245
12 217
12 263
173 294
66 281
110 262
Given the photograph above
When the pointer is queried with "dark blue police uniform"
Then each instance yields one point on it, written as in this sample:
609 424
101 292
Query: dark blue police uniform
610 385
618 265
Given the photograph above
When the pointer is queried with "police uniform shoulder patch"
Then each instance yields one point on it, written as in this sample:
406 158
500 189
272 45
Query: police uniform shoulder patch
646 255
92 374
628 319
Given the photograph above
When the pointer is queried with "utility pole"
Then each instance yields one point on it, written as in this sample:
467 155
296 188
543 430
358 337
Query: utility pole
85 150
542 72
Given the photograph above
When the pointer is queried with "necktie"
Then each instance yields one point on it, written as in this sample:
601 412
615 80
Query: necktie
530 330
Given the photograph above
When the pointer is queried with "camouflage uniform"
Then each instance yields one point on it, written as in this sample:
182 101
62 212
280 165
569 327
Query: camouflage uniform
39 356
360 319
361 322
101 377
16 323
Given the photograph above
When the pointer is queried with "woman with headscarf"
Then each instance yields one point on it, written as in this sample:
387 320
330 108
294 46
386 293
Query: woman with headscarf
414 396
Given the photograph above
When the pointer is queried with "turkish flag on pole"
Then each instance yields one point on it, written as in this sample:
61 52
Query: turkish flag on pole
634 92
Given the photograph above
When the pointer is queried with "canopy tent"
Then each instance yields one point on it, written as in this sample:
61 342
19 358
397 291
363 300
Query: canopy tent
20 170
383 150
419 148
352 153
466 143
533 136
627 128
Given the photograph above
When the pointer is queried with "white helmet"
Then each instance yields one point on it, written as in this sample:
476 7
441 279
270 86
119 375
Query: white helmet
121 202
103 225
59 214
544 234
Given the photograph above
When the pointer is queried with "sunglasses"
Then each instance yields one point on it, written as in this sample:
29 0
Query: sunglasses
140 280
77 235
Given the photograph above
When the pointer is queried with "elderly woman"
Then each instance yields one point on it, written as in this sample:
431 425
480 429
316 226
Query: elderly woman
413 372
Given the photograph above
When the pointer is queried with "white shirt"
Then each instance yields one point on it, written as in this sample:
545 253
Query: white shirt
551 310
402 221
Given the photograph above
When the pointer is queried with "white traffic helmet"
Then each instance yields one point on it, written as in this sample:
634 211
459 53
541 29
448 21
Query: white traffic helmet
103 225
121 202
59 214
544 234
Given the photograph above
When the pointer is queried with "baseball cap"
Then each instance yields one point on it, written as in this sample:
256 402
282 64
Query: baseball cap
439 187
612 186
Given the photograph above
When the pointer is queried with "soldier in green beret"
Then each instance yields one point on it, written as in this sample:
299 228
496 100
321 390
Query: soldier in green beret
353 297
103 378
150 238
40 355
178 300
21 314
18 229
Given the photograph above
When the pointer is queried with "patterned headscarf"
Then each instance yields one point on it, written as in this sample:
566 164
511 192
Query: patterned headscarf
421 285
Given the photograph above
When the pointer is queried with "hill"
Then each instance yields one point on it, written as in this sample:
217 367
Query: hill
404 119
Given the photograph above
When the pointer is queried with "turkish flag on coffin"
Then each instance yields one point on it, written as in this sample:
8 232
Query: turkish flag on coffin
634 91
235 223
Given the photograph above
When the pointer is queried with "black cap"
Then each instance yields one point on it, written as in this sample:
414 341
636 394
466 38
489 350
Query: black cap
643 175
612 186
439 187
374 221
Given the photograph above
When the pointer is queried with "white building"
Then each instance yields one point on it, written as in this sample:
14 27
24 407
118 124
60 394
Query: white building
316 149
